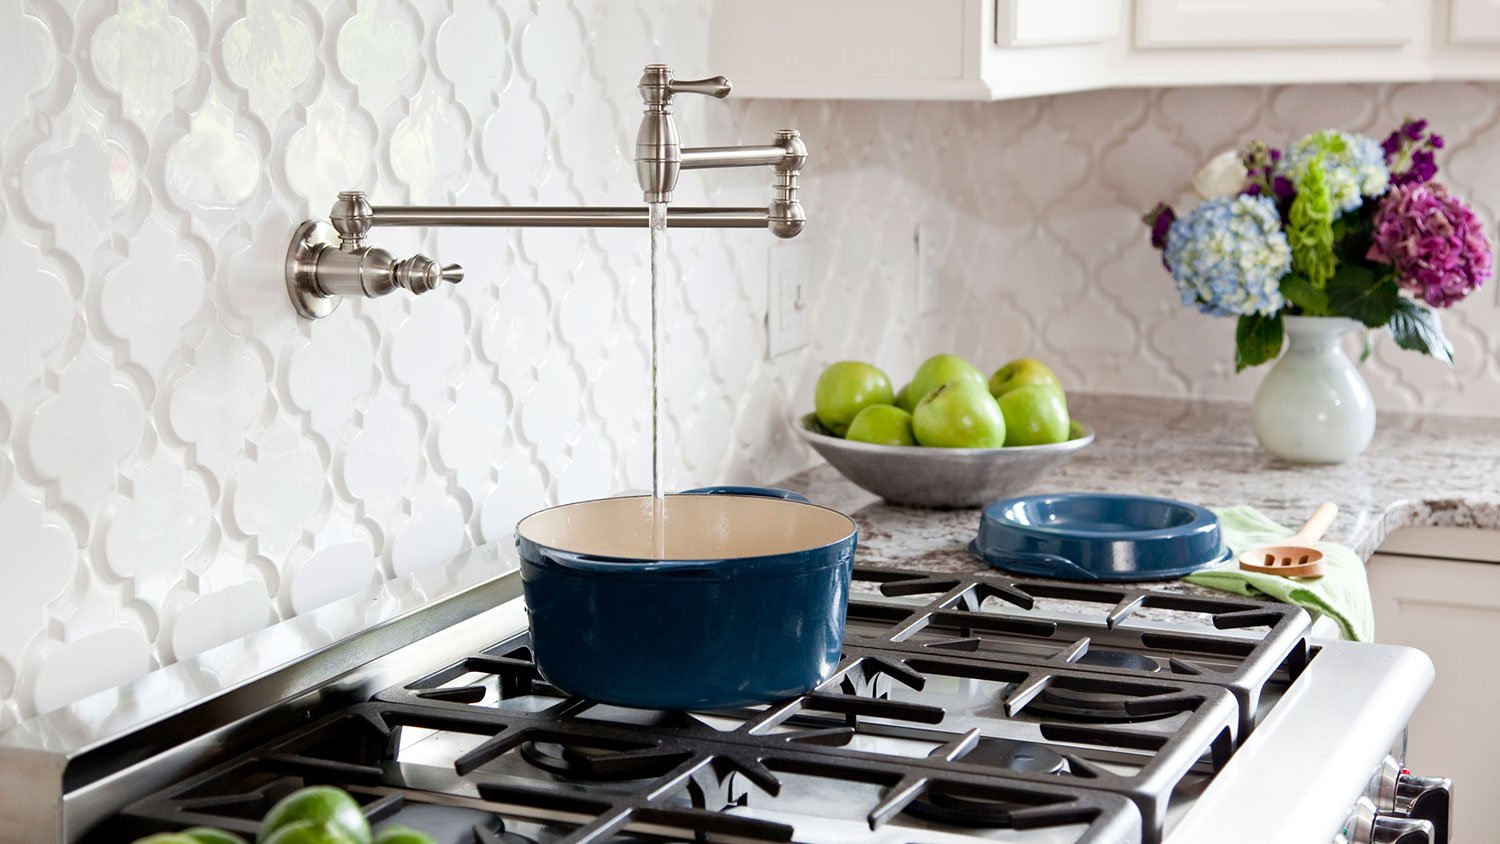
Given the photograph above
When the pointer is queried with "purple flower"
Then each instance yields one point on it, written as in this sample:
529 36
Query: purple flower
1283 187
1413 129
1409 153
1435 242
1391 145
1160 219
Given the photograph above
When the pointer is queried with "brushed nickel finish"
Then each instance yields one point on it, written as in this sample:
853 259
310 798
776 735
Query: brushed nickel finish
308 241
327 261
625 216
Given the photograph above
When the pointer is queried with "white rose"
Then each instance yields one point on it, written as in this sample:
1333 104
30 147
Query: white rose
1223 175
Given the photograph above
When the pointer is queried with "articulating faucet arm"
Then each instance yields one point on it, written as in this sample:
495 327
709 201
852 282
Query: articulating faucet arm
321 268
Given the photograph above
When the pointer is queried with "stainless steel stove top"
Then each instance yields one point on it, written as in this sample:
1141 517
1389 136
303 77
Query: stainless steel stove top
966 708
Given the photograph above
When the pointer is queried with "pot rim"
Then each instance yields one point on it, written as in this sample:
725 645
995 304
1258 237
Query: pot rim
718 567
1204 520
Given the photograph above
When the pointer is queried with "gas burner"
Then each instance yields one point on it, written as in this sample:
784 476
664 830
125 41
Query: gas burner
1072 704
597 763
1075 704
1020 756
961 810
653 718
454 824
1101 658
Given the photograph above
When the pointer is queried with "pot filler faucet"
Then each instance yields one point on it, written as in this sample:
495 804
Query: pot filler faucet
326 263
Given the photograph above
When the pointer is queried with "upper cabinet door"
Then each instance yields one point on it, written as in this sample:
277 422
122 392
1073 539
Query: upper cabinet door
1039 23
1475 22
1179 24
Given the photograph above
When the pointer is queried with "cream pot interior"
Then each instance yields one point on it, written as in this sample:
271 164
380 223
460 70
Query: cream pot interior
698 527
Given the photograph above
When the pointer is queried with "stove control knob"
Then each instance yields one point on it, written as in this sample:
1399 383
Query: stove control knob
1393 830
1382 790
1367 826
1427 799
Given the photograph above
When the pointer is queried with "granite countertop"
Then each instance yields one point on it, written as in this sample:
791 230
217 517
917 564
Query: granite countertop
1422 469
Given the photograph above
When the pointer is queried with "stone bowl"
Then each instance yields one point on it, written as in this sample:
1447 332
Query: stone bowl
941 478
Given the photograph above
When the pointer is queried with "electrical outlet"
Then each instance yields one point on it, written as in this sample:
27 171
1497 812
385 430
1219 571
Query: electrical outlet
789 306
925 243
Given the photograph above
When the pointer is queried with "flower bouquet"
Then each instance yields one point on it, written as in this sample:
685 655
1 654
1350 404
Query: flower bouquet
1336 225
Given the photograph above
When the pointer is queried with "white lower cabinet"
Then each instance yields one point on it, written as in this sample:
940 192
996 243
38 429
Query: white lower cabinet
1439 591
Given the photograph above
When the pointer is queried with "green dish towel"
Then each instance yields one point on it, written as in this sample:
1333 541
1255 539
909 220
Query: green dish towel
1343 592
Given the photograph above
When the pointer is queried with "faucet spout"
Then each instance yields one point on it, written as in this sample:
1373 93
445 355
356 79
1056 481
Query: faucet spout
660 156
326 262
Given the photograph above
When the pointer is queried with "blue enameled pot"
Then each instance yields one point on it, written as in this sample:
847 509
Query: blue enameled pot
745 606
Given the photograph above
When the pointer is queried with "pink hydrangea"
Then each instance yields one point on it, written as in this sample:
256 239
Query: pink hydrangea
1435 242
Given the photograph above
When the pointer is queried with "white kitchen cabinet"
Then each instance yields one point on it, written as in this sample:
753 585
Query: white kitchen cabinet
898 49
1176 24
999 49
1474 22
1439 590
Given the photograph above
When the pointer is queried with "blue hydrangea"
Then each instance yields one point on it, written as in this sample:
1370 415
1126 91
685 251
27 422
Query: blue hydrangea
1228 256
1354 163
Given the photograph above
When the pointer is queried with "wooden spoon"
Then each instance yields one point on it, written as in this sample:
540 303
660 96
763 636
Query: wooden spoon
1296 557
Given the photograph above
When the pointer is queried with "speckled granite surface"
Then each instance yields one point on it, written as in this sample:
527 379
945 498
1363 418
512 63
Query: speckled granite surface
1420 470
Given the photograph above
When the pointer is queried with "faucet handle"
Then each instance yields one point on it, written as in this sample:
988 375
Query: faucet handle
421 274
714 86
658 86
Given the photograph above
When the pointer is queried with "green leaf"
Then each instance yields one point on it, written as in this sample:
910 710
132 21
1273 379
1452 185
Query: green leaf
1369 346
1257 339
1297 289
1358 291
1416 327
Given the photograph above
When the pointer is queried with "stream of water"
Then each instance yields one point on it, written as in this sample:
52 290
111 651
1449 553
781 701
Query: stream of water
658 226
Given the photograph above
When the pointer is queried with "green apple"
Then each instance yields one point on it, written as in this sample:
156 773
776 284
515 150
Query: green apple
307 832
209 835
397 834
1035 415
844 389
882 424
959 414
904 399
166 838
321 805
937 371
1021 372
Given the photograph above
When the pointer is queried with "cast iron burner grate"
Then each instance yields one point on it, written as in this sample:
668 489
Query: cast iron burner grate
943 711
686 799
950 711
987 616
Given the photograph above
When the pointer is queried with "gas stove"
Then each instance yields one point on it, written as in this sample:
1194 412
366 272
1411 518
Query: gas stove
966 708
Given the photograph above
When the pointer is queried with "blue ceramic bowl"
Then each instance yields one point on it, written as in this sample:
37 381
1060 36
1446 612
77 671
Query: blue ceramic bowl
1098 536
747 605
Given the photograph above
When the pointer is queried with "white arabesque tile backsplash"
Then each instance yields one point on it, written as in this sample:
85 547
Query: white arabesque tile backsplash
185 461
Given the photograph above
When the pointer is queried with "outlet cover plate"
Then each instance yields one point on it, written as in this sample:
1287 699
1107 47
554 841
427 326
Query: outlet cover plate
789 305
925 242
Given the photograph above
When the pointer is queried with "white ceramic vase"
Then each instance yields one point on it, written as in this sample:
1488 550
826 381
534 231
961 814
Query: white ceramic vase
1314 407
